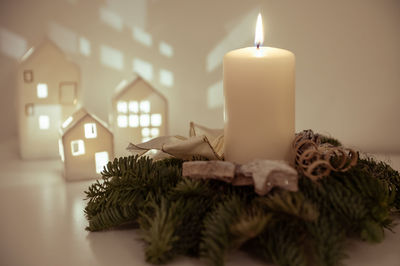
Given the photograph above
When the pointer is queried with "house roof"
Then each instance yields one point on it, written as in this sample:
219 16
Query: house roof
37 48
120 91
78 116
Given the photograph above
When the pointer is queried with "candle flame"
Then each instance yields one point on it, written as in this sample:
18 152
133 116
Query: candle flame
259 39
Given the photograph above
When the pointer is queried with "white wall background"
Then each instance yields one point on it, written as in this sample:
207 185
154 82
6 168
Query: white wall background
347 52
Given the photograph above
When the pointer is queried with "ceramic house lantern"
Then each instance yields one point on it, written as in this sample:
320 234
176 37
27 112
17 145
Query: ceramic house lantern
48 90
85 147
139 114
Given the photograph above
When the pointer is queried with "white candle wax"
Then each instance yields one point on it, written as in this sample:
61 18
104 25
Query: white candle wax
259 89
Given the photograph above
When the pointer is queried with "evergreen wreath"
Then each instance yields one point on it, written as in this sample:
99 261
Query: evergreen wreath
209 218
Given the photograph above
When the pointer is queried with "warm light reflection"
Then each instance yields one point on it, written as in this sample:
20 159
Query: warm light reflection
111 18
142 37
166 78
111 57
215 95
143 68
259 36
61 150
84 46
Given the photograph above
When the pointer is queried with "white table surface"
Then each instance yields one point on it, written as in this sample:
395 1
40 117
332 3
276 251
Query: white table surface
42 223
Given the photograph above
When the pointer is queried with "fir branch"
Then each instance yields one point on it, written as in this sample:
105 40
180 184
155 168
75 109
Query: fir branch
249 226
290 203
179 216
217 238
158 224
326 241
126 185
283 244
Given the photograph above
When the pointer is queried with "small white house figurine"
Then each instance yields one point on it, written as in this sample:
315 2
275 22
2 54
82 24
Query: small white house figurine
48 90
86 146
139 114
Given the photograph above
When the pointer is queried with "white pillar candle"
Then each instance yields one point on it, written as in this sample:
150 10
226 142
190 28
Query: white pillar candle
259 89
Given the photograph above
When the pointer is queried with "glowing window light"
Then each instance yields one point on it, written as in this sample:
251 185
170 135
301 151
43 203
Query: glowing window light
146 132
122 121
90 130
111 57
101 160
215 95
44 122
133 106
145 106
154 132
166 49
42 90
142 37
133 120
156 120
122 107
166 77
143 68
67 122
84 46
111 18
144 120
77 147
61 150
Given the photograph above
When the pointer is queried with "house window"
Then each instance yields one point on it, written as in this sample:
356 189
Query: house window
101 160
145 106
68 91
90 130
28 76
122 121
133 107
144 120
156 120
41 90
133 120
44 122
122 107
77 147
146 132
137 114
155 132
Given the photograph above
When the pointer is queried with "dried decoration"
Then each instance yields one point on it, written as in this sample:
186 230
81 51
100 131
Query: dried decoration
202 141
219 170
263 174
316 159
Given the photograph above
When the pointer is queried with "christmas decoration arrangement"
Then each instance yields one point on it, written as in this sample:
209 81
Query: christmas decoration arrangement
288 214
